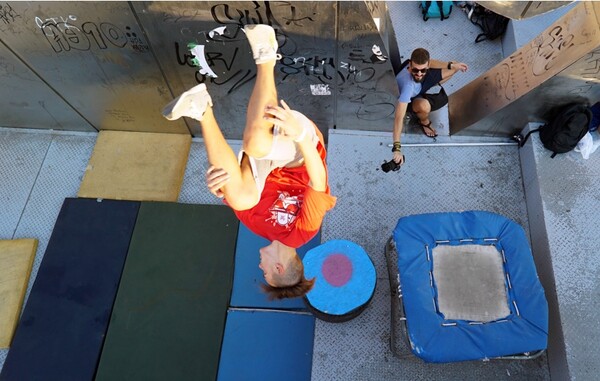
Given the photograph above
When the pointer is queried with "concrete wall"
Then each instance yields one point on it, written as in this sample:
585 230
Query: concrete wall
113 65
557 67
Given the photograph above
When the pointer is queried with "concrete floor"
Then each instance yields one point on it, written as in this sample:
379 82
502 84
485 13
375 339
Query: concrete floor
437 178
44 168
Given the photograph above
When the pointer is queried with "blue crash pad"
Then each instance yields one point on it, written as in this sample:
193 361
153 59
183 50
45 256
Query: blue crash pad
436 339
248 277
61 331
267 345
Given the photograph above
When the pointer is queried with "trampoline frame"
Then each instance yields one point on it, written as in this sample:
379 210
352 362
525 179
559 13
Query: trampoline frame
398 314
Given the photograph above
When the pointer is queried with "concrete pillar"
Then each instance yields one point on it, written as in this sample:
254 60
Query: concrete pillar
517 10
559 66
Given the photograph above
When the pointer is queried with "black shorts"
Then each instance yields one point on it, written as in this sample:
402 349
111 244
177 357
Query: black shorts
437 101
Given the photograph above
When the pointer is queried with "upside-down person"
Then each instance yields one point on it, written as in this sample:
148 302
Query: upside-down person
277 185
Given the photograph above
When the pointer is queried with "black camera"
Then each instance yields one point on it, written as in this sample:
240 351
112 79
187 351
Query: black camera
391 165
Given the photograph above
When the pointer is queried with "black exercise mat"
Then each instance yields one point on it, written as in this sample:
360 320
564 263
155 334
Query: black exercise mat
64 322
169 314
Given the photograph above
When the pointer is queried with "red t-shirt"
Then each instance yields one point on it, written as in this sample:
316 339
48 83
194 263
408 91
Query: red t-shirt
289 210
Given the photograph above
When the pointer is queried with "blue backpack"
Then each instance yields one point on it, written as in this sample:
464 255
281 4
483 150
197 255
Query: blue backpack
436 9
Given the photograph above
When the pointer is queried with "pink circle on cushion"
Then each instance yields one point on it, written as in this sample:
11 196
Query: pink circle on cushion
337 269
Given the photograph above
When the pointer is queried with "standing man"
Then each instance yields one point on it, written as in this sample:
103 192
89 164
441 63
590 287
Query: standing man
277 185
421 74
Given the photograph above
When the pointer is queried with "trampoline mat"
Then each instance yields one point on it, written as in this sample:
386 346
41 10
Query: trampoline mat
470 282
169 313
449 317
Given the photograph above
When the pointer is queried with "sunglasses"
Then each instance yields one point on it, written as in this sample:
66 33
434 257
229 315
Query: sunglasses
416 71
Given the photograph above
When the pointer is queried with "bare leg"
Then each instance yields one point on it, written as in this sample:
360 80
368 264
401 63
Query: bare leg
240 191
258 134
239 186
422 108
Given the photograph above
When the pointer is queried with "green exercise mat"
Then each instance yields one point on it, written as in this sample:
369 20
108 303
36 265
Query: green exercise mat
169 314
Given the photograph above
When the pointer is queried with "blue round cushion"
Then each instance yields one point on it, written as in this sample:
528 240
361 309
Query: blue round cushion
345 277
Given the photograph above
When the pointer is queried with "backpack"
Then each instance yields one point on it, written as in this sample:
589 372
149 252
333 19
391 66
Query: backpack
436 9
492 24
595 122
565 129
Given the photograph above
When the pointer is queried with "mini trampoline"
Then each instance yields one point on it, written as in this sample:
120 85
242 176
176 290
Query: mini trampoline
466 288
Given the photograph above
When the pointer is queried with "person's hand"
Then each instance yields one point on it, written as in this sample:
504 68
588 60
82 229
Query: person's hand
398 157
285 119
460 66
216 178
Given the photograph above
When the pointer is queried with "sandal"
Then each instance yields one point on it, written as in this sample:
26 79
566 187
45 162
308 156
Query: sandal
424 126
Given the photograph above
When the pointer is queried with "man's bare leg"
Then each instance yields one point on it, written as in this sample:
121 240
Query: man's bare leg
239 189
422 108
258 134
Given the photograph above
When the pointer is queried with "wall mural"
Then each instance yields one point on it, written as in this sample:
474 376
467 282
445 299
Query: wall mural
113 65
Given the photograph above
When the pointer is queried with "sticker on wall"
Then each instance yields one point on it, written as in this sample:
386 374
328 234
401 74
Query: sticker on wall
200 60
220 31
377 55
320 89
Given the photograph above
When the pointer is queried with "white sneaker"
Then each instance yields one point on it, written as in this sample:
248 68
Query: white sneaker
263 43
191 103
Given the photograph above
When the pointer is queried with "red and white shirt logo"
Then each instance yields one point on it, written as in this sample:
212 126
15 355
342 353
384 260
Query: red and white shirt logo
285 209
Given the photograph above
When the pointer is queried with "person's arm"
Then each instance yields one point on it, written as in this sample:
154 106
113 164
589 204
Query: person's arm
314 164
293 129
449 68
401 108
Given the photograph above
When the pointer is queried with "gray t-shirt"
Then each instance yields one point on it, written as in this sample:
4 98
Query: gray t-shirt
407 86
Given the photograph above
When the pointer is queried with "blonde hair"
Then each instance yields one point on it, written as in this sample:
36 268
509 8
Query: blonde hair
290 284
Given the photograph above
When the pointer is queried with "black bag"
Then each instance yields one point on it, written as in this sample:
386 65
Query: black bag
492 24
566 128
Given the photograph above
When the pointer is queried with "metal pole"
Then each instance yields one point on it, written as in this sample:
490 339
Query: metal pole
457 144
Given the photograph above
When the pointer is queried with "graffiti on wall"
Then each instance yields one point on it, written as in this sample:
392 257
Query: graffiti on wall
260 14
306 35
7 14
226 14
225 48
527 68
588 73
356 68
550 46
66 33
